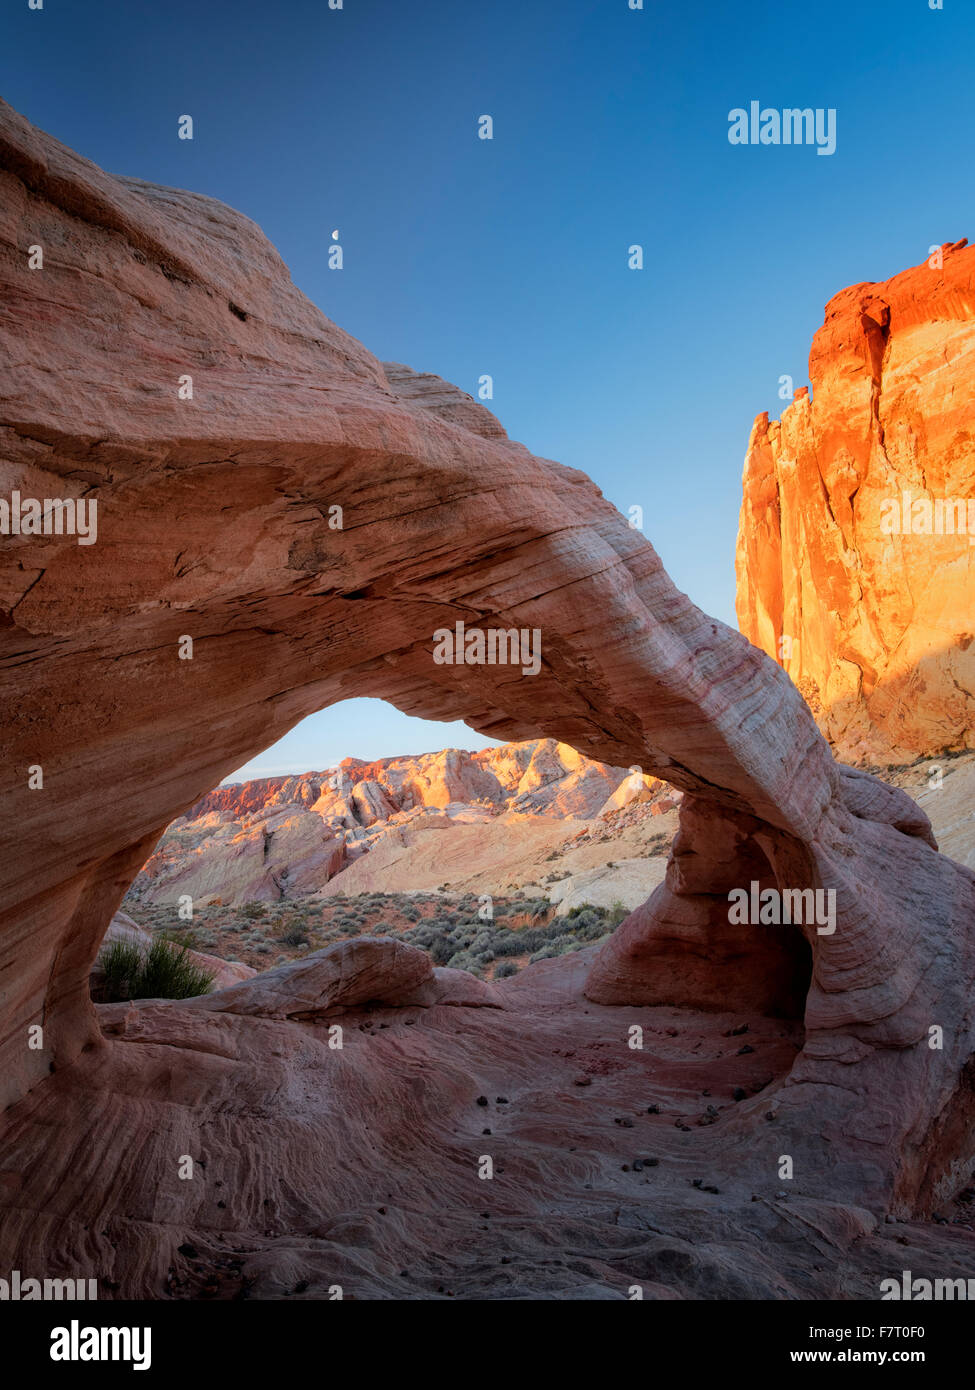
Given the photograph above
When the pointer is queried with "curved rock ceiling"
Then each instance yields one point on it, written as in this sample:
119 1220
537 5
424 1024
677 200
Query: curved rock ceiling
216 522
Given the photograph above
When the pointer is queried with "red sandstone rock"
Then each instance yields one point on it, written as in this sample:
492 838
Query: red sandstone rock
374 969
213 524
281 837
875 627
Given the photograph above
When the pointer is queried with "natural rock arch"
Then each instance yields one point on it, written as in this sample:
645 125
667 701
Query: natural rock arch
213 523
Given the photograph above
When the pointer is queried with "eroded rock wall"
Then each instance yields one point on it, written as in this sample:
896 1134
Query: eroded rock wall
846 575
216 524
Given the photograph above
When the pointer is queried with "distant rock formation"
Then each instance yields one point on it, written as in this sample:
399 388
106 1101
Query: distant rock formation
856 545
287 836
214 529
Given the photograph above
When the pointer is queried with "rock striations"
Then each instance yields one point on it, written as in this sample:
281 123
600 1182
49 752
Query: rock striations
856 548
219 605
282 837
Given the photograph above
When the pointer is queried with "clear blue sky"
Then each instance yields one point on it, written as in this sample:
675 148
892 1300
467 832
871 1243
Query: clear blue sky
465 256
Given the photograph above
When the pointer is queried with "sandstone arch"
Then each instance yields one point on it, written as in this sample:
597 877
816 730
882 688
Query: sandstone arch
213 523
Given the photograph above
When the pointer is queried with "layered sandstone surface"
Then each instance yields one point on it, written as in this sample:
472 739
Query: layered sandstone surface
358 1165
284 837
845 572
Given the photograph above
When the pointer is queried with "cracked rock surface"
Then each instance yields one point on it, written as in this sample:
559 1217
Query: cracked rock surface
359 1165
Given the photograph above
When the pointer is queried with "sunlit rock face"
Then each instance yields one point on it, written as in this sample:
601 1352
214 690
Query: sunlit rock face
220 603
284 837
856 547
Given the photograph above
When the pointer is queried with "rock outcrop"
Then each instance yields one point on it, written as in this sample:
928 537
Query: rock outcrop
283 837
856 546
219 606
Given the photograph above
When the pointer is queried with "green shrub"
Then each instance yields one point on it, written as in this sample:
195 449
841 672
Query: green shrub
546 953
121 965
583 907
161 971
463 960
506 968
441 952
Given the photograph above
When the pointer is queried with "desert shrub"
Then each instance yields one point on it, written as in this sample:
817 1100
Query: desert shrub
252 910
530 939
442 952
616 914
121 964
546 953
463 960
294 934
506 968
163 970
589 926
420 936
509 943
264 949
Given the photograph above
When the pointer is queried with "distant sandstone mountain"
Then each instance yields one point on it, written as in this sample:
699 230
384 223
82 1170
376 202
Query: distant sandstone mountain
856 546
289 836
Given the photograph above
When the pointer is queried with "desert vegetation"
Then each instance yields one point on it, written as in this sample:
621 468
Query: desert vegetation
161 970
454 930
